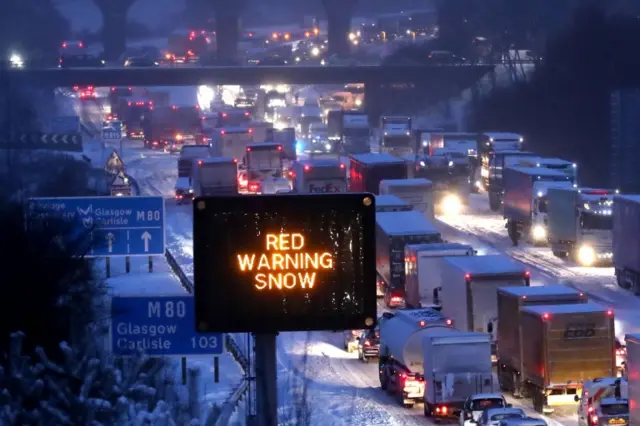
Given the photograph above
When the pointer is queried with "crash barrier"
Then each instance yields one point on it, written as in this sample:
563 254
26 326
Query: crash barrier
185 282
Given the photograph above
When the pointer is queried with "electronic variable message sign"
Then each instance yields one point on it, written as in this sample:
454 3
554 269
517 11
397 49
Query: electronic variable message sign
271 263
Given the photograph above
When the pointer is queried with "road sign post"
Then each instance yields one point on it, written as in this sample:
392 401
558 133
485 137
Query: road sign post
116 226
161 326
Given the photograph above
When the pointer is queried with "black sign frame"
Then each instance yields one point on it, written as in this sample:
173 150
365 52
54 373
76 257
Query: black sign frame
227 299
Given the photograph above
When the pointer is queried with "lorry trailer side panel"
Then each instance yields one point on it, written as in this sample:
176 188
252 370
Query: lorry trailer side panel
563 348
633 367
562 215
626 228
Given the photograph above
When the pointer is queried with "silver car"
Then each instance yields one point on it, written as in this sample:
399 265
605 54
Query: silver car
493 416
527 421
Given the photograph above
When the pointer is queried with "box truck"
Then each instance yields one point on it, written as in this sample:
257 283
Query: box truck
367 170
626 244
394 230
391 203
416 192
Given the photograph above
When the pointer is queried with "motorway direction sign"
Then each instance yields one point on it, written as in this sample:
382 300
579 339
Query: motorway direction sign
112 131
49 141
114 164
116 226
160 326
65 124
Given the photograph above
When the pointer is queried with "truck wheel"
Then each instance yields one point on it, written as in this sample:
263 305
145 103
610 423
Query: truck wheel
383 383
621 280
427 410
494 202
537 400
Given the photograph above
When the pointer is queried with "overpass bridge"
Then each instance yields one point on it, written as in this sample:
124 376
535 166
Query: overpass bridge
462 75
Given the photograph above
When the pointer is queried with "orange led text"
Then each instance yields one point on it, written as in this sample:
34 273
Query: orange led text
285 264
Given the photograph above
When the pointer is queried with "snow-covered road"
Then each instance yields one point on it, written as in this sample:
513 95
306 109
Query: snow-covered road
598 283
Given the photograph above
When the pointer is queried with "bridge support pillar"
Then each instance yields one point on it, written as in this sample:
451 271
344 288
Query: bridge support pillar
339 14
227 29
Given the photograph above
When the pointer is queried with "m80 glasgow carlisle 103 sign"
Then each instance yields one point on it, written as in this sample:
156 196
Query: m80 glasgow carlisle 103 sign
284 263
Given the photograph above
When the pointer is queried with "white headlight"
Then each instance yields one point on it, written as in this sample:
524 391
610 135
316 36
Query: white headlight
586 256
451 204
539 233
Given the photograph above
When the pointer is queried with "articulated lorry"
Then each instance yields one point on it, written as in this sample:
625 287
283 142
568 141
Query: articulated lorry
558 347
395 136
394 230
580 224
626 245
449 174
366 171
510 301
166 125
319 176
493 166
525 201
415 192
391 203
633 364
469 294
349 131
265 170
188 156
232 142
215 176
423 278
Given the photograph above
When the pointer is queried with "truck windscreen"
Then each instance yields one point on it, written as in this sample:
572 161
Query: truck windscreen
595 221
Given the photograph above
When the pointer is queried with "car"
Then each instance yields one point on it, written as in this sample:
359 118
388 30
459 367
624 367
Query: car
475 405
527 421
172 146
368 344
141 62
351 339
493 416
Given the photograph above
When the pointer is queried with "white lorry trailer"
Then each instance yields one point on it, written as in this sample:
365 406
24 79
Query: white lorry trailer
626 244
231 142
394 230
525 201
633 364
416 192
391 203
423 280
456 366
401 362
319 176
580 224
264 168
470 294
215 176
395 136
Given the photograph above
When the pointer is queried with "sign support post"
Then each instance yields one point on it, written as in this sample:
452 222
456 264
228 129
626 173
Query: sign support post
266 379
183 362
150 264
108 262
216 369
127 264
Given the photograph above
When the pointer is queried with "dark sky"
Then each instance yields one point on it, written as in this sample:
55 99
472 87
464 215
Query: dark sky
84 13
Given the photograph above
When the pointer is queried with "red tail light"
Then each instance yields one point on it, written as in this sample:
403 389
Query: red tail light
199 162
527 274
279 148
342 166
250 130
246 114
81 44
367 343
467 276
224 114
610 313
222 132
64 44
113 89
248 149
594 420
307 168
449 322
396 299
128 103
254 187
